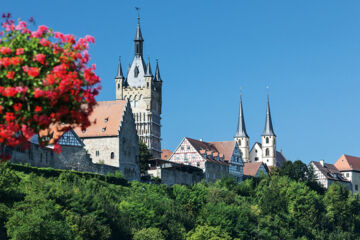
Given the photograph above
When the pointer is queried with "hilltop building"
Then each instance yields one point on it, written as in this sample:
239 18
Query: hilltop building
216 159
255 169
264 152
349 166
144 91
111 139
327 174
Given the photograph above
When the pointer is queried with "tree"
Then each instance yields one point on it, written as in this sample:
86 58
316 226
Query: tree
145 155
208 233
44 80
149 234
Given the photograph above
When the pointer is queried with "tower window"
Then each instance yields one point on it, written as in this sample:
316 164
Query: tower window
112 155
136 72
267 152
267 140
118 85
239 142
97 153
147 85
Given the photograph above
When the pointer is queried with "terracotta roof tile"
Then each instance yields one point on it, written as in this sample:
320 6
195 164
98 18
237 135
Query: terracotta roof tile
250 169
105 119
348 163
166 154
226 148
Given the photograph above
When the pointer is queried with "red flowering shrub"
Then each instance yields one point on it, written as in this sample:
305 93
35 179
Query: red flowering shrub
44 79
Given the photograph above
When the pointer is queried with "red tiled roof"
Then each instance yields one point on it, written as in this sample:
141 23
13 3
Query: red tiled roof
165 154
250 169
226 148
105 119
348 163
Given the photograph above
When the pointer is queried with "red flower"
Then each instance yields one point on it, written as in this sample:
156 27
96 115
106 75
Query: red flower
44 42
10 75
40 58
5 50
17 107
38 109
19 51
33 71
1 108
15 60
9 116
57 148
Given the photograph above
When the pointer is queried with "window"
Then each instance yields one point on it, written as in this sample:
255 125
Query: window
267 152
118 85
182 148
256 151
239 142
198 164
356 187
188 147
347 174
112 155
147 85
97 153
136 72
185 157
256 159
267 140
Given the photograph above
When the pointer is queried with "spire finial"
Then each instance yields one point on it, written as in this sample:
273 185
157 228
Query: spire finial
119 71
138 12
148 69
241 129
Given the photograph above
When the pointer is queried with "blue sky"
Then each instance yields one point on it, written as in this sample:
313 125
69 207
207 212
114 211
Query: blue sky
308 52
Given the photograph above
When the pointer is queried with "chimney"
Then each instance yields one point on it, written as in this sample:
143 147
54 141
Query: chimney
322 162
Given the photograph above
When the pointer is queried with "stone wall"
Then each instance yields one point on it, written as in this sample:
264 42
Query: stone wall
70 158
215 171
171 176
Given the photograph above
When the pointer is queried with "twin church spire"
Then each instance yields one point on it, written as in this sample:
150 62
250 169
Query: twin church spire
241 129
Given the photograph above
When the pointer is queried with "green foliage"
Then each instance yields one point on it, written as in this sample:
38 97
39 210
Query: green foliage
51 204
208 233
144 156
149 234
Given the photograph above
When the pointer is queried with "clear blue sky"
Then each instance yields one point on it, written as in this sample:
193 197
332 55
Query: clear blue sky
308 52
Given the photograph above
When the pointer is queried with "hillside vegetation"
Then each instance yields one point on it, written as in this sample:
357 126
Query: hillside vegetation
53 204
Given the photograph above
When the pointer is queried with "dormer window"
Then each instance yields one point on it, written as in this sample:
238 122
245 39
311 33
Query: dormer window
106 119
83 131
136 71
103 129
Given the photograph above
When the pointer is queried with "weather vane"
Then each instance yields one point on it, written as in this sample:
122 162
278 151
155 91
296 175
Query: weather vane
138 11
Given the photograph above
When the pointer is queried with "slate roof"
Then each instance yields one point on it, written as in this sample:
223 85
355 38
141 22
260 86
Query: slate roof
330 171
241 129
250 169
348 163
166 154
268 130
106 119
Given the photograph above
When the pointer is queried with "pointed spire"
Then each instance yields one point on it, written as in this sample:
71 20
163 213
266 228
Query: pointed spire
241 129
138 38
268 131
119 71
148 69
157 72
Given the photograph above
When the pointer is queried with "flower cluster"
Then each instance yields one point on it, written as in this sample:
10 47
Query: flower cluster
44 80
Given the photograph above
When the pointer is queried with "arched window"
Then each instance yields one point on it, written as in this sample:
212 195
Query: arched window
267 140
136 71
239 142
267 152
112 155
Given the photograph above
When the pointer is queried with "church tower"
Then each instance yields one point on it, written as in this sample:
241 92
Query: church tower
241 136
144 91
268 140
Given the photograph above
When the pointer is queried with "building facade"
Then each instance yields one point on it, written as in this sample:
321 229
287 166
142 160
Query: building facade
327 174
144 92
112 139
349 166
216 159
264 152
